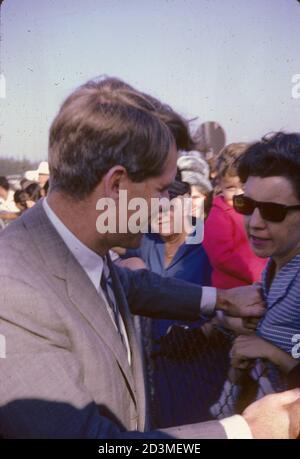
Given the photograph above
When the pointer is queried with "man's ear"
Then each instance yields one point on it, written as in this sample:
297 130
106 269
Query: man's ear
112 180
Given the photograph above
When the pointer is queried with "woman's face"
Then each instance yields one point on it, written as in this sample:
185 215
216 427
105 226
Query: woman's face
173 220
281 240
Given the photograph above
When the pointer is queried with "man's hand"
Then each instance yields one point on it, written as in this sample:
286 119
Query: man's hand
234 324
276 416
241 301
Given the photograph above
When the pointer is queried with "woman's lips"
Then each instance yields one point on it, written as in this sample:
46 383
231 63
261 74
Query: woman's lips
258 241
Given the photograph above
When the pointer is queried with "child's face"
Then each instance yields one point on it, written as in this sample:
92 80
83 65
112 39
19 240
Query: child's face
230 186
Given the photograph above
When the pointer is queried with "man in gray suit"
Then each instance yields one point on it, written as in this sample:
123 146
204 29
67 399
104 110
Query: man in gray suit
72 367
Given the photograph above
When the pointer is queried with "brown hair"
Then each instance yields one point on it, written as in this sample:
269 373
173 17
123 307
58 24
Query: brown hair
177 124
96 129
227 159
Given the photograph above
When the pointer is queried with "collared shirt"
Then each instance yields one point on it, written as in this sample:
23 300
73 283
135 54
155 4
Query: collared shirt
90 261
281 322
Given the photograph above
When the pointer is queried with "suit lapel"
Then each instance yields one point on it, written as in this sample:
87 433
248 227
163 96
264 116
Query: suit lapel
84 296
61 263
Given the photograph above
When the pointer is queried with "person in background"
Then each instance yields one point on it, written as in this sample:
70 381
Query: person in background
27 197
34 192
7 203
21 199
43 176
270 205
8 209
195 171
175 362
233 261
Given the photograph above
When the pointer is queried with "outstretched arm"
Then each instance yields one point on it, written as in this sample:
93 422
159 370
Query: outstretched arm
169 298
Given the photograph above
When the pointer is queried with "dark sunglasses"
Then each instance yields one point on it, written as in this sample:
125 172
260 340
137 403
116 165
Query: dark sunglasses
269 211
178 188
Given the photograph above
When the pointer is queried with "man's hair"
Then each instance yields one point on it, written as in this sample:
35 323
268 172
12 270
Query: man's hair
275 155
99 126
176 123
227 159
4 183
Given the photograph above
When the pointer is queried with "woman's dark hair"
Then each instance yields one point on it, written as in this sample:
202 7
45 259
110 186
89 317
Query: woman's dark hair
275 155
34 191
20 197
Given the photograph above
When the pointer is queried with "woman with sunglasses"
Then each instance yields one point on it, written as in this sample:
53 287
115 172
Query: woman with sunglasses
270 170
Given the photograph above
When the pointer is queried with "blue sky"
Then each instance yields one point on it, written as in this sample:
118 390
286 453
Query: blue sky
229 61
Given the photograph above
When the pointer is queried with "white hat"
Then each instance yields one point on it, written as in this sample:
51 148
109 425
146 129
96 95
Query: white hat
31 175
43 168
194 170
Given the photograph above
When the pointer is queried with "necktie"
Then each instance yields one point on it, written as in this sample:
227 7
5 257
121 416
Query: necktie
106 285
113 310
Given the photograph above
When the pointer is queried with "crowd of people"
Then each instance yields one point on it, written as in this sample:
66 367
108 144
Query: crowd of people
14 202
130 335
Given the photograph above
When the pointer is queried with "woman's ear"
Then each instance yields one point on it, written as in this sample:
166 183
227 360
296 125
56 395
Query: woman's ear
112 181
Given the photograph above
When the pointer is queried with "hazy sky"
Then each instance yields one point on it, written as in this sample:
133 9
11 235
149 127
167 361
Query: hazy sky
230 61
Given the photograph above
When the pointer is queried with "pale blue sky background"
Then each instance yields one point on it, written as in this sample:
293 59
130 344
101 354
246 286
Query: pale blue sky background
229 61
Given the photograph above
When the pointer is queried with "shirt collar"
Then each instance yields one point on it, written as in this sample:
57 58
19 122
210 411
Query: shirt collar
90 262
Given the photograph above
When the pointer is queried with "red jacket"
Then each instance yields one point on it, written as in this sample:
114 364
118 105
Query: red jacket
226 244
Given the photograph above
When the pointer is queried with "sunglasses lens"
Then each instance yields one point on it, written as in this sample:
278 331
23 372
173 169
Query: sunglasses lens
243 205
273 212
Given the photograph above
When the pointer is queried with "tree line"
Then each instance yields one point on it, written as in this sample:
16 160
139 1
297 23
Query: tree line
11 166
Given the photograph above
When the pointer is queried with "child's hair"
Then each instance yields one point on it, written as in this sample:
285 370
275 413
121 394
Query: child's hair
227 160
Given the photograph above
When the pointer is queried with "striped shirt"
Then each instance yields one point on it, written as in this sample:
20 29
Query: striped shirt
282 297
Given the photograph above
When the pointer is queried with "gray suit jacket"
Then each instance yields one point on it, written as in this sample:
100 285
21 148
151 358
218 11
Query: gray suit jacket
66 372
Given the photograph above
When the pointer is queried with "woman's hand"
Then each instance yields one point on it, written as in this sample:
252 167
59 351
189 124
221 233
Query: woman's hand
247 348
